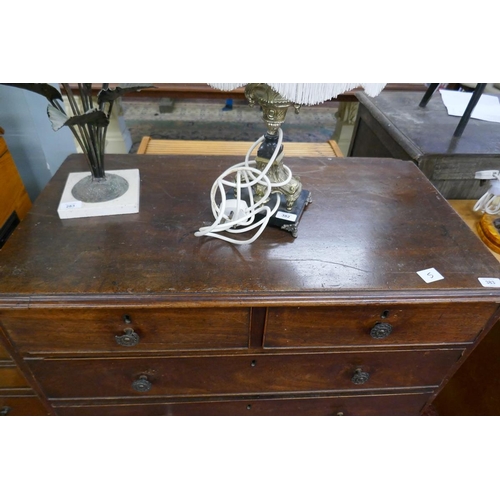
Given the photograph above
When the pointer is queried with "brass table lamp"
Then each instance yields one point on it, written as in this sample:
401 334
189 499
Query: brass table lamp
274 100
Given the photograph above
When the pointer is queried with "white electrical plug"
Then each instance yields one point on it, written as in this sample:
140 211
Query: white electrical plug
487 175
235 215
235 210
490 201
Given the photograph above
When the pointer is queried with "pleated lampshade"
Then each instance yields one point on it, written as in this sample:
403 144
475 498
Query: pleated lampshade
310 93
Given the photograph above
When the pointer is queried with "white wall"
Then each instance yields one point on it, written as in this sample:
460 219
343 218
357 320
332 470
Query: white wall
37 150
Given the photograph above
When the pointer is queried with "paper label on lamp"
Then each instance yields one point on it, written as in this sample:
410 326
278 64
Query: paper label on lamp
70 204
286 216
490 282
430 275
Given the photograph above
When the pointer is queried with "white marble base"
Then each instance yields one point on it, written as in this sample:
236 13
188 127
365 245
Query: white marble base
128 203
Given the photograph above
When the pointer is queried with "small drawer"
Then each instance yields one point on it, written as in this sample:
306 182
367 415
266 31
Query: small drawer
11 378
302 327
40 331
17 406
242 374
381 405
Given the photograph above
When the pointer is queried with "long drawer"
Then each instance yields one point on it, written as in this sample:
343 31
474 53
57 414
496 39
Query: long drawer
12 378
390 405
15 405
302 327
3 353
56 331
241 374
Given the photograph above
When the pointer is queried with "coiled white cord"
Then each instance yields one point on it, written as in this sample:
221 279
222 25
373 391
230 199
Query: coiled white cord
490 201
238 216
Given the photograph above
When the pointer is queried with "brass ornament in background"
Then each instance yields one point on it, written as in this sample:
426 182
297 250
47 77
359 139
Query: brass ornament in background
274 108
488 229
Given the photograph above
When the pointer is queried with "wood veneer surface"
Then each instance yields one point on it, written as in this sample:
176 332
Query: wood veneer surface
353 241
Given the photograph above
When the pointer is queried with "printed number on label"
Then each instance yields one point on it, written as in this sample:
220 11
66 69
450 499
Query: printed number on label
490 282
286 216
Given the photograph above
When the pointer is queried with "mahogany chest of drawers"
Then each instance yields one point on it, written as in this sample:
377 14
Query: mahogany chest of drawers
134 315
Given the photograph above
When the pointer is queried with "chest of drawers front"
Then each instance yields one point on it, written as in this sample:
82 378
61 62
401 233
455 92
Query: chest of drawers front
293 360
133 315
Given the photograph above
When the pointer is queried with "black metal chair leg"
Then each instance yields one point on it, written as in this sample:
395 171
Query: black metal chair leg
470 107
428 94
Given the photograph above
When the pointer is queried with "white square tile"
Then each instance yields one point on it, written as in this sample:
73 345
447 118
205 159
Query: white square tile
128 203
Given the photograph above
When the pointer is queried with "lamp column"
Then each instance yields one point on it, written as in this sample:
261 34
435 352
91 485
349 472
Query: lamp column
274 108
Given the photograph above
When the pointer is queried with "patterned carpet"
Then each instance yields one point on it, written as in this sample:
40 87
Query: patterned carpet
206 120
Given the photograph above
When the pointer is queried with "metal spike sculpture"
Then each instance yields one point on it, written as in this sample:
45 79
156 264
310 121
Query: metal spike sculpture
88 122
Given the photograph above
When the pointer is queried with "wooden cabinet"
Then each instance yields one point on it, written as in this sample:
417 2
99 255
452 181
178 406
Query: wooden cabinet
16 395
134 315
14 200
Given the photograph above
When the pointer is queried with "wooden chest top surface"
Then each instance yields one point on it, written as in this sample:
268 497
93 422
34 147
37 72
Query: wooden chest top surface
429 130
372 225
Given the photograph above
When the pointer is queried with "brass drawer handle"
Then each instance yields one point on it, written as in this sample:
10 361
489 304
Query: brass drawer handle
142 384
381 330
5 410
128 339
360 377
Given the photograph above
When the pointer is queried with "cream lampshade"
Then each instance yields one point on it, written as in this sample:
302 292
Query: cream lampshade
273 195
310 93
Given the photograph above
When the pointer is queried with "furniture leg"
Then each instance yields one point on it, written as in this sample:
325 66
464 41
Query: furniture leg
470 107
428 94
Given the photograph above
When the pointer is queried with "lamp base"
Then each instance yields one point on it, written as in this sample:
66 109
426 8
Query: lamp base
128 203
287 220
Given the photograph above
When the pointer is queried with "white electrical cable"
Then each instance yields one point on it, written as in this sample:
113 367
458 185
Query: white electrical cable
238 216
490 201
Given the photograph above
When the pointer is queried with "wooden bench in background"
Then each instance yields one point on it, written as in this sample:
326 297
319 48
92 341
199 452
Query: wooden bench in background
232 148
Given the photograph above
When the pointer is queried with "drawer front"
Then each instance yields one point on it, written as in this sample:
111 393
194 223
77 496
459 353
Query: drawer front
11 378
304 327
134 330
241 374
4 355
383 405
17 406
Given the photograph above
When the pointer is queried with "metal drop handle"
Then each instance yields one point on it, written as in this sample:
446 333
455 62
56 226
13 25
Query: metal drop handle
360 377
381 330
142 384
128 339
5 410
